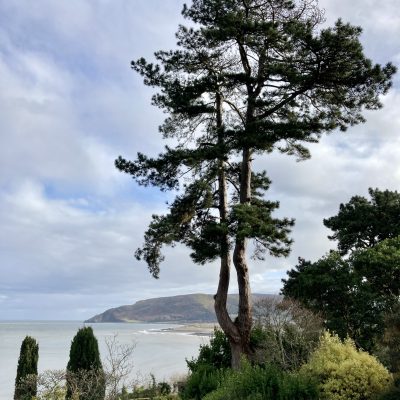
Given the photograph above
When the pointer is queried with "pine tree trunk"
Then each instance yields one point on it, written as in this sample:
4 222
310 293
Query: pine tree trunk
244 318
237 353
221 296
238 332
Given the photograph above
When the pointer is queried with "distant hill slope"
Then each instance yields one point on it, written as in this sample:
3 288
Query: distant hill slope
184 308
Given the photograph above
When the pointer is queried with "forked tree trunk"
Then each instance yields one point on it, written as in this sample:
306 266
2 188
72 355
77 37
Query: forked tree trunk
220 305
238 332
244 318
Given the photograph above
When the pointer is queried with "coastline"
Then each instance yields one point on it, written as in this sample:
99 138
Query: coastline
197 329
162 355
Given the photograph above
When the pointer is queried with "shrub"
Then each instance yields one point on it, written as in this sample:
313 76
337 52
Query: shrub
216 354
345 373
149 389
285 333
263 383
164 388
211 368
207 368
85 377
26 380
388 349
203 380
391 394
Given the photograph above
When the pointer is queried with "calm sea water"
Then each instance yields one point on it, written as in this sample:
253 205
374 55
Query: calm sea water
160 353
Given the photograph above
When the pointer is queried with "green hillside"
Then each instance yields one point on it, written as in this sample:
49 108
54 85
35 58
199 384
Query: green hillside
184 308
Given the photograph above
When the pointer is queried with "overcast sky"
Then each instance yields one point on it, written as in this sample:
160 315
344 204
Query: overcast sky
70 104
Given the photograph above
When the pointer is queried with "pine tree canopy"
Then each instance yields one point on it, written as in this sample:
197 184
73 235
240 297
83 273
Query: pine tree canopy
363 223
248 77
282 82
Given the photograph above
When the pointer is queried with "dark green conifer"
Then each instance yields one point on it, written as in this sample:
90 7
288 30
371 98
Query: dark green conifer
85 376
362 223
26 380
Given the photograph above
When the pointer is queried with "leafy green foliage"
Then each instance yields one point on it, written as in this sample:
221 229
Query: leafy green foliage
164 388
203 380
263 383
354 294
363 223
27 370
328 286
151 390
391 394
388 348
345 373
275 340
216 354
206 370
379 268
392 340
85 375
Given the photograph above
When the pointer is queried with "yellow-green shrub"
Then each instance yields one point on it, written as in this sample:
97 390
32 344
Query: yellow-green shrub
345 373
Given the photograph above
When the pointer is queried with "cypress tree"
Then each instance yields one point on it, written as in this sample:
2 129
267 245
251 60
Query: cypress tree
84 369
26 380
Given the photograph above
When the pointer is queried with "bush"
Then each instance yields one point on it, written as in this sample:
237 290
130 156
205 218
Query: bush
263 383
211 368
149 389
285 333
207 368
203 380
164 388
26 380
392 394
345 373
216 354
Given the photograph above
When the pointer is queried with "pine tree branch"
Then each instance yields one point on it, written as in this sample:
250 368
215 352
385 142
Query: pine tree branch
234 107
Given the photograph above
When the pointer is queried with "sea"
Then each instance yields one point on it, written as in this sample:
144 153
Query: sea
159 350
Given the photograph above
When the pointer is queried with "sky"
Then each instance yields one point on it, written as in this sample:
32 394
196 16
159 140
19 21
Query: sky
70 105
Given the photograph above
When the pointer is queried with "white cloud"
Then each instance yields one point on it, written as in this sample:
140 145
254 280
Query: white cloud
69 105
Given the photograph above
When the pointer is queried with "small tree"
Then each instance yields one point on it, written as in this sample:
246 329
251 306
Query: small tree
27 370
85 376
118 366
288 333
51 385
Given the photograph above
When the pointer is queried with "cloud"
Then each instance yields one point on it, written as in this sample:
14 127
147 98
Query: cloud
69 105
74 247
342 165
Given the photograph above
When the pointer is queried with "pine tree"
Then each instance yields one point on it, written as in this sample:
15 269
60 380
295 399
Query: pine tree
26 380
252 77
85 375
362 223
